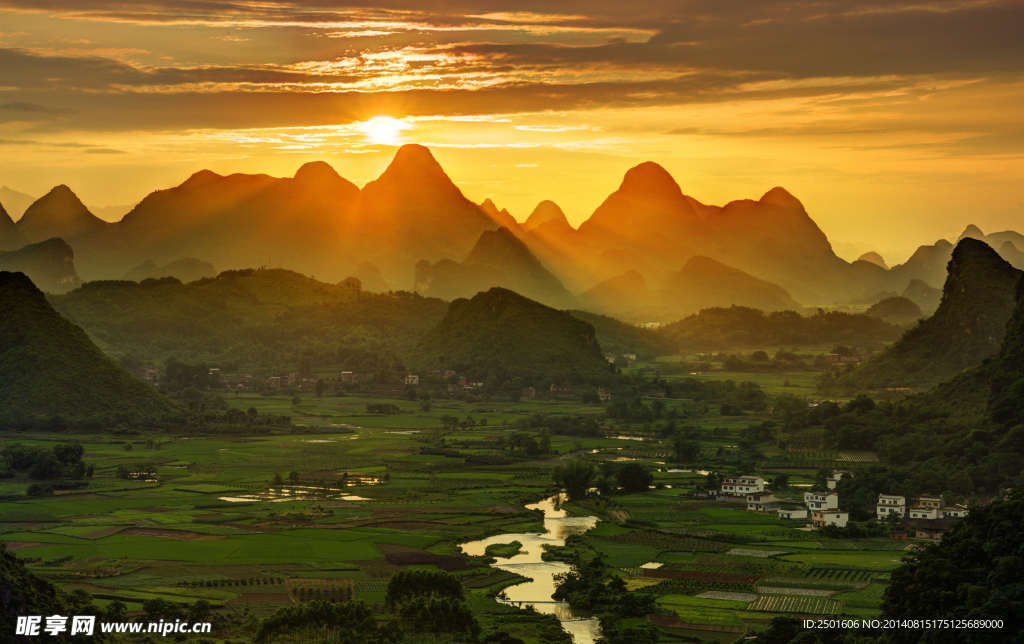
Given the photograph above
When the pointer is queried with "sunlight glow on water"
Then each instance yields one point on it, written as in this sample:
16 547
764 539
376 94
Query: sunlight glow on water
528 563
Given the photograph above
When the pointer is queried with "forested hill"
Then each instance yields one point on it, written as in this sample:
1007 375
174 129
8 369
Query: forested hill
618 337
965 435
274 319
968 326
499 336
49 367
741 327
25 594
251 319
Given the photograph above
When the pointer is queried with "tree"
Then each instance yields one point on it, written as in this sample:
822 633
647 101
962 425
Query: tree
293 476
199 611
424 405
296 401
46 466
821 479
128 447
780 482
575 476
252 412
278 479
320 385
685 450
115 611
634 477
759 356
781 630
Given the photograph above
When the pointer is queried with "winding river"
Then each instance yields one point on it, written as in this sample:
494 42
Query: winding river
528 563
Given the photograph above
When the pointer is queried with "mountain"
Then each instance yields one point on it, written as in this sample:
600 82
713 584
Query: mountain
896 310
500 335
626 295
620 337
59 213
1012 254
112 213
739 327
371 278
253 319
16 202
928 262
648 213
10 237
497 259
968 326
775 239
702 283
236 221
186 269
49 366
874 258
50 264
28 594
499 217
544 212
924 296
1006 399
421 210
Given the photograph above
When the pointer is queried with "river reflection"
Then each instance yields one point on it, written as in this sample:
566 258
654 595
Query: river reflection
528 563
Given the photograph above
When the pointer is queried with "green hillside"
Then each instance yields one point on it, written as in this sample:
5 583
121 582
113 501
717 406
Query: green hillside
49 366
500 335
896 310
741 327
617 336
251 319
968 326
27 594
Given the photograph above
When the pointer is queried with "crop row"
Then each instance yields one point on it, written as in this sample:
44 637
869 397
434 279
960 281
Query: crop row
800 605
670 542
834 574
705 576
693 587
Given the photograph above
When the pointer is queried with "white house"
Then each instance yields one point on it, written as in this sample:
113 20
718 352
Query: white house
821 500
833 480
920 512
890 503
742 485
412 379
955 511
789 514
830 517
760 501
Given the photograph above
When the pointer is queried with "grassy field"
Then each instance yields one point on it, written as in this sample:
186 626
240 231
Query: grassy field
364 496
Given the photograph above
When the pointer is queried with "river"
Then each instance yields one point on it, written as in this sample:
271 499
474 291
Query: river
528 563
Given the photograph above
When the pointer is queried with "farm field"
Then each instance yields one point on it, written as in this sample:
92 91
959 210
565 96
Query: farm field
335 506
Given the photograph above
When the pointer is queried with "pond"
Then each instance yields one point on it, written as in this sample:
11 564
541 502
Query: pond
528 563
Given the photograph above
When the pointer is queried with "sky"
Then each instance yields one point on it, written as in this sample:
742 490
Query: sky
895 123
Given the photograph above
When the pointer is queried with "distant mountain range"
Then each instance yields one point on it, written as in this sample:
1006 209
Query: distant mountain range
649 252
969 325
49 264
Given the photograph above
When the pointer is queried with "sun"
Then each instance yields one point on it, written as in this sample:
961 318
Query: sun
383 129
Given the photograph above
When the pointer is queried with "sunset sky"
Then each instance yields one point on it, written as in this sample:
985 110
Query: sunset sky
896 123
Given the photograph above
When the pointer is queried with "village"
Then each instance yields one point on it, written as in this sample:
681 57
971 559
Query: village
928 516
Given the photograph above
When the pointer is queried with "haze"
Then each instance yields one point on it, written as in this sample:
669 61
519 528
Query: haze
894 125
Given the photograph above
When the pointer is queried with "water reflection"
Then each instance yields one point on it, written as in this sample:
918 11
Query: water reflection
528 563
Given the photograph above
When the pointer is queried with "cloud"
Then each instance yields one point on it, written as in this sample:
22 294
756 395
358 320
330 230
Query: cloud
36 108
103 151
